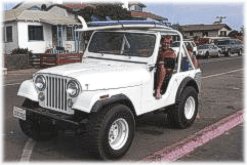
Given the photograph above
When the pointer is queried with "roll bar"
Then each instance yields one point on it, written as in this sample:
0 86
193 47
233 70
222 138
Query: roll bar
135 24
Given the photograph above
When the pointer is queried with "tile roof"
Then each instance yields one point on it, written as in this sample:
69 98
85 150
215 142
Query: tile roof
142 14
38 16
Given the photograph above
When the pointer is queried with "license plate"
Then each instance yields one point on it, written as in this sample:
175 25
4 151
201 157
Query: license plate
19 113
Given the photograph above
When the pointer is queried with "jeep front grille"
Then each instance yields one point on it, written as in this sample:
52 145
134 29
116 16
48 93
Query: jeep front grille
55 94
56 97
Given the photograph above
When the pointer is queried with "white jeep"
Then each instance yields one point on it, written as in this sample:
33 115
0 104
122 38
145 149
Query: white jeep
113 85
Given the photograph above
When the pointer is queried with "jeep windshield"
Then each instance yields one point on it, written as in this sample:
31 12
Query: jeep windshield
120 43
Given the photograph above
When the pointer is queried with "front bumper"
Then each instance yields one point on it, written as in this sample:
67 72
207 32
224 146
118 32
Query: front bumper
55 116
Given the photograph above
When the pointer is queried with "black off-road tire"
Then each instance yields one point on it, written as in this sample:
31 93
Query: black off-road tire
98 128
38 127
176 113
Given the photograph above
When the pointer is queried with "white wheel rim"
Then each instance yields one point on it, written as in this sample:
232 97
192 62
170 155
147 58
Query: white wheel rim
118 134
189 108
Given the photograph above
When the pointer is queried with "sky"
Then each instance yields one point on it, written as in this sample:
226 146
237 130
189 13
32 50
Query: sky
199 13
192 13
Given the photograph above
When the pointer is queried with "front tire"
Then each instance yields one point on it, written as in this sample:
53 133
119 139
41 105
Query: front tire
38 127
183 113
110 132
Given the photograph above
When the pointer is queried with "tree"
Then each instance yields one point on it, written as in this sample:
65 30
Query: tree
233 34
242 29
177 26
101 11
86 13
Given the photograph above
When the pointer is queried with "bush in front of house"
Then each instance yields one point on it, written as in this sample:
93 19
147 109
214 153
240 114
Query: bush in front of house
18 59
21 51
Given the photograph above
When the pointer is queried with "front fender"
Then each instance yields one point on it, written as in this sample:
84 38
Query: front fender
86 100
27 90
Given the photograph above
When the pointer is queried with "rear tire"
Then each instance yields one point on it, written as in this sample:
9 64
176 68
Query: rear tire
183 113
110 132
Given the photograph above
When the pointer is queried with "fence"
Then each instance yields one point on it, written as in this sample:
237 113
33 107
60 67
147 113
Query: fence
59 59
34 60
24 61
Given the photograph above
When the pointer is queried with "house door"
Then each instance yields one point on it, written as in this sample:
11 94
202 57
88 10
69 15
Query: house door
57 39
54 35
59 36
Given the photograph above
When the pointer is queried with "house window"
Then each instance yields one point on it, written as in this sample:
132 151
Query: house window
69 32
138 8
191 33
9 34
35 33
223 33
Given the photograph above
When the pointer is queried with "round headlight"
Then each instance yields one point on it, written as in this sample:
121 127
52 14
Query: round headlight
73 88
40 83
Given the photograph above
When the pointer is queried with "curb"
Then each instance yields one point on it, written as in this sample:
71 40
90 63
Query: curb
184 147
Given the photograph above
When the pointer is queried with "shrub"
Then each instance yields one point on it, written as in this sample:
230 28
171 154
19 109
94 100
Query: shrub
21 51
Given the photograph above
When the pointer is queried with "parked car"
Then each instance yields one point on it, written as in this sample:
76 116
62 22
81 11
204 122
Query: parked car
176 44
230 46
193 45
208 50
113 85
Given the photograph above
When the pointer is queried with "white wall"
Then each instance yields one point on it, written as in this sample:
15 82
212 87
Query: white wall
9 46
224 29
34 46
20 38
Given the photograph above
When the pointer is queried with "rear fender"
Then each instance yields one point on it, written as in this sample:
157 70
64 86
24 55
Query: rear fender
188 81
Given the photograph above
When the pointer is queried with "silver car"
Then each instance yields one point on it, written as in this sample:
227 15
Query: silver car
208 50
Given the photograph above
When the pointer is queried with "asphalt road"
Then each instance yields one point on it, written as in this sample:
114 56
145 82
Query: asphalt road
232 152
221 96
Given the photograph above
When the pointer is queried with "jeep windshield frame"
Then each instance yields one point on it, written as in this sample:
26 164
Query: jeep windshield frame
123 43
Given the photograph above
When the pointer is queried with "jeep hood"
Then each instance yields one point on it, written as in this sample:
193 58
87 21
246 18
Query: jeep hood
95 74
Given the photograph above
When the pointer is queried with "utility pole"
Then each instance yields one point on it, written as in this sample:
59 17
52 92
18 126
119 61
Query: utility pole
220 19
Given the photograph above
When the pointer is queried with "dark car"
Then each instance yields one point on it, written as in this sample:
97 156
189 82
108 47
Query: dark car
230 46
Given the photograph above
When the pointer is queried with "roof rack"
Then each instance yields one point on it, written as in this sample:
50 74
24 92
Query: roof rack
121 24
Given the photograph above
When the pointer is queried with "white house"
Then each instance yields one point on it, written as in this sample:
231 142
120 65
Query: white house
137 12
39 27
206 30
